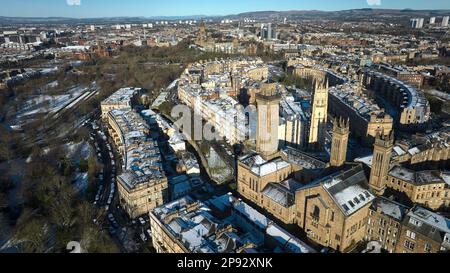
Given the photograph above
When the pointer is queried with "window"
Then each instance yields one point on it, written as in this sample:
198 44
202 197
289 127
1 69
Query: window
332 216
411 234
316 212
362 197
415 222
427 248
409 245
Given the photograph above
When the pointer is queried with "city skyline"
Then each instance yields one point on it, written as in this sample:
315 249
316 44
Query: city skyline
246 127
140 8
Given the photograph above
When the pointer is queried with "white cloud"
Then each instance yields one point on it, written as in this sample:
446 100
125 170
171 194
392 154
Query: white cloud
374 2
73 2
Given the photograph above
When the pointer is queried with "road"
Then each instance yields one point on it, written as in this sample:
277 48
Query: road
113 218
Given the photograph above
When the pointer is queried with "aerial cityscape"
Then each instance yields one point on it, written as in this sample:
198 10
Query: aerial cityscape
253 127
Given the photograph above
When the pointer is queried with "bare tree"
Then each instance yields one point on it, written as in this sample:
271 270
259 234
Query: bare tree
31 232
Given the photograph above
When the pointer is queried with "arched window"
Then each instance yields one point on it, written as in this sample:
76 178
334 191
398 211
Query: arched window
316 212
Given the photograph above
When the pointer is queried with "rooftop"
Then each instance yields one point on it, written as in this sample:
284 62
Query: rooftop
349 189
262 167
283 193
417 178
202 227
141 156
122 95
302 159
428 223
390 208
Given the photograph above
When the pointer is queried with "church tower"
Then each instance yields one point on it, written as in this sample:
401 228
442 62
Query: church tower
202 36
341 131
202 31
268 121
319 115
381 162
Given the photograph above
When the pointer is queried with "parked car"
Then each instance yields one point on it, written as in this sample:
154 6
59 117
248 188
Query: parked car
149 232
111 217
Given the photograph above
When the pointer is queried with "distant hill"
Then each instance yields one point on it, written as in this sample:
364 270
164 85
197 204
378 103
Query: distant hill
105 20
353 14
367 14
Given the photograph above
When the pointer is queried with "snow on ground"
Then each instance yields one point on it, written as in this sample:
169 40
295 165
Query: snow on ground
217 166
53 84
29 159
78 151
81 182
47 71
50 104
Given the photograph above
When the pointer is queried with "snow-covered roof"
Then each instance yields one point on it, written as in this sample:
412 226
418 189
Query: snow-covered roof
262 167
141 154
417 178
349 189
399 151
421 218
123 95
367 160
283 193
200 228
289 243
303 160
390 208
252 214
414 151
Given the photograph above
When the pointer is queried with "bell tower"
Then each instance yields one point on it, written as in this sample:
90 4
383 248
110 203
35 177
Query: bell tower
381 162
319 115
341 131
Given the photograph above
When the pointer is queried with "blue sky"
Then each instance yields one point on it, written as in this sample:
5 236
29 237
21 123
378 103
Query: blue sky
107 8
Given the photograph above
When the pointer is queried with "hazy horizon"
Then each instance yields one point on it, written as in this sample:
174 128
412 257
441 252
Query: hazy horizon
81 9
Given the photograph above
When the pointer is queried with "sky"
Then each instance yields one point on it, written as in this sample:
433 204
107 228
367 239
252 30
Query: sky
148 8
